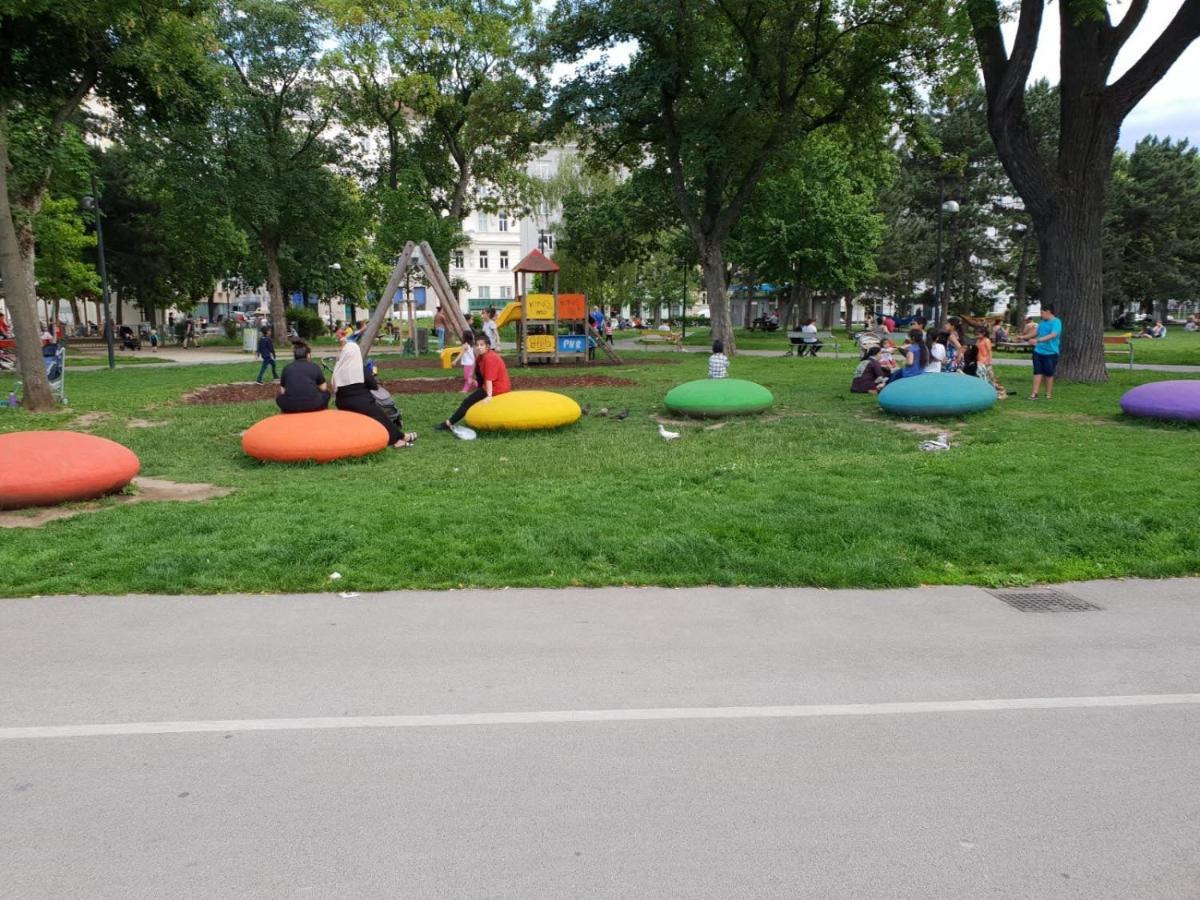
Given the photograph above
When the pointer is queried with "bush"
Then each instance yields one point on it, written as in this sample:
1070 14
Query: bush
231 328
306 321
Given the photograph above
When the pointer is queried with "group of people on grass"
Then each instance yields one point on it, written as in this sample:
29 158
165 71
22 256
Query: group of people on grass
946 349
354 386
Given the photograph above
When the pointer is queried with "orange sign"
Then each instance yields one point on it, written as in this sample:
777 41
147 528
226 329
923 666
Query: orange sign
572 306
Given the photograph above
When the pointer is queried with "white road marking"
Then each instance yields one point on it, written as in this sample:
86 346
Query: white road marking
576 716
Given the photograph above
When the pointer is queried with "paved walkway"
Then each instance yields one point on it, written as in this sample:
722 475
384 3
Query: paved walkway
706 742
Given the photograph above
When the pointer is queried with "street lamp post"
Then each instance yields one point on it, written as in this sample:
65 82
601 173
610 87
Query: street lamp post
93 203
683 308
948 208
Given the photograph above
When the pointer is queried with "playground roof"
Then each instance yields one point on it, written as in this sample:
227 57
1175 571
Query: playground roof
536 261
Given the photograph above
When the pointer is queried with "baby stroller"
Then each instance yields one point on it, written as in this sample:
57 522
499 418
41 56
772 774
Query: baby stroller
130 339
54 358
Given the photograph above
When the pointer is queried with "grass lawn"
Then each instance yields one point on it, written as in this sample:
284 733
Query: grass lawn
825 491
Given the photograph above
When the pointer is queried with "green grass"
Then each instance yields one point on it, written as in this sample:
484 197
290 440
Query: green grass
825 491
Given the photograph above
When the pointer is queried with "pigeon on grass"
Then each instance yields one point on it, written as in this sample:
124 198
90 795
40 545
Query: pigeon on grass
942 443
622 415
667 435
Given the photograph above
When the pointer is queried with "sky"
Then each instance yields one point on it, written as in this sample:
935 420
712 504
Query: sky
1172 108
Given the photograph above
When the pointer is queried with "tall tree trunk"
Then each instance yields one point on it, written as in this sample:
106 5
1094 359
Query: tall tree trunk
712 264
75 312
1070 245
270 247
16 269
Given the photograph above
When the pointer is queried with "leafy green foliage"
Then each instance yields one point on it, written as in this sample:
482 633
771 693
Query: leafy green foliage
61 241
813 223
306 321
715 92
1152 227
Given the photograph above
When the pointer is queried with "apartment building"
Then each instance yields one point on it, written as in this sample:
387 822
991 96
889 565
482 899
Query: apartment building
498 241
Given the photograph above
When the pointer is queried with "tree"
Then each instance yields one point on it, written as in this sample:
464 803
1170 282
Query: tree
615 242
1152 230
456 93
168 235
715 91
62 240
814 225
267 146
53 55
1065 196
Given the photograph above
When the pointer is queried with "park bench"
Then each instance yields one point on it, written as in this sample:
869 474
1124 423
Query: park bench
1113 343
764 323
800 339
1120 343
673 338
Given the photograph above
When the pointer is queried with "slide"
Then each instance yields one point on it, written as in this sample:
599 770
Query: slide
510 313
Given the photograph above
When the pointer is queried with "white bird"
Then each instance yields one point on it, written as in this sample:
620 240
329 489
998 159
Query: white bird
942 443
667 435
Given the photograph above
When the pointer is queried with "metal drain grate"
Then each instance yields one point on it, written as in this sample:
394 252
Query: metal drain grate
1044 601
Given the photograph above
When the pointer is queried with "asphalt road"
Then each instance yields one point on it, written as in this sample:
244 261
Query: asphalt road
608 743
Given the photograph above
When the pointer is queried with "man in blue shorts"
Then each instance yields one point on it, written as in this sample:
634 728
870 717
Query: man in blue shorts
1045 352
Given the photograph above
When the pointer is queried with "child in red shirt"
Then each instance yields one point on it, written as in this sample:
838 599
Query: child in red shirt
491 374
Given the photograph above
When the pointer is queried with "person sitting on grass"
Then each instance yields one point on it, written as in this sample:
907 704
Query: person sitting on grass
302 386
491 376
718 363
352 385
887 355
916 356
869 377
1152 332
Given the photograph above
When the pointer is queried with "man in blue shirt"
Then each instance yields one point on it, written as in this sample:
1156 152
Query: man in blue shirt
1045 352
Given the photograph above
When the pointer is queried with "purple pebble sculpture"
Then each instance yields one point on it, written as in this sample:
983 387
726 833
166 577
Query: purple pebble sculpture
1177 401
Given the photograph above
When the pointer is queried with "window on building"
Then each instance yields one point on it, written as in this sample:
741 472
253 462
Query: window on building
502 221
503 259
482 222
505 292
483 292
483 259
458 259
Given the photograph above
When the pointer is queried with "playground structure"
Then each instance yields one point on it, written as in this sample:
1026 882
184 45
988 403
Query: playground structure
415 256
540 318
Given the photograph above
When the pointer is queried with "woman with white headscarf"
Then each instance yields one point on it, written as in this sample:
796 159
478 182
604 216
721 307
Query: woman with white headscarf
353 385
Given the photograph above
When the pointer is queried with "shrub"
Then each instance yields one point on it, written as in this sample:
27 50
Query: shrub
306 321
231 328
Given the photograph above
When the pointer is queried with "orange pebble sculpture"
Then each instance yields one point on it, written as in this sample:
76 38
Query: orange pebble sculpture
314 437
44 468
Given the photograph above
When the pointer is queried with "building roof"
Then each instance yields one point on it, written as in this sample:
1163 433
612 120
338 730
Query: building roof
536 261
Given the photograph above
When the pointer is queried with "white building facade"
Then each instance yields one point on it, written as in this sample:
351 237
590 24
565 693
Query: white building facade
497 241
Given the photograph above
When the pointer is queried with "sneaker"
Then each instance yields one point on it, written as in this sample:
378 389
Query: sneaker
442 426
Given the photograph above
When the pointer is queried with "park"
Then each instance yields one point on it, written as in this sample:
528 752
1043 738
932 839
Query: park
517 448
